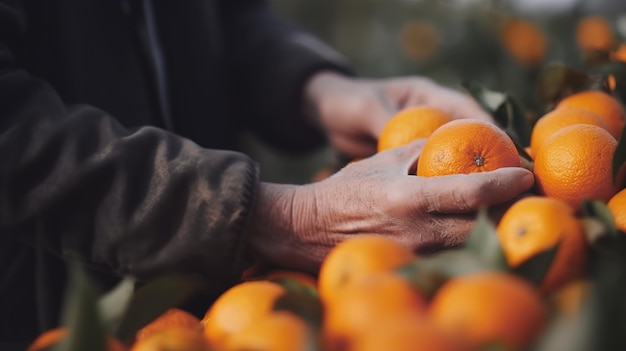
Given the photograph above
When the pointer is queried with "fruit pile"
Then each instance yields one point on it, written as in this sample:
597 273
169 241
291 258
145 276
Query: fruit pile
547 274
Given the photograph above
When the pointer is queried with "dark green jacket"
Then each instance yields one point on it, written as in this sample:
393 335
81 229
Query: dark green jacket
112 118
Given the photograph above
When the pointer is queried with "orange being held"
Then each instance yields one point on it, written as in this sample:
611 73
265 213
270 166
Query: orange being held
173 338
360 254
238 307
600 103
489 307
575 164
558 119
466 146
49 338
535 224
366 302
411 124
617 206
279 331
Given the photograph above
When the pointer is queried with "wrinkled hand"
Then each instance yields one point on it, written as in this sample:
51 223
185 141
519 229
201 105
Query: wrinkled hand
353 111
296 226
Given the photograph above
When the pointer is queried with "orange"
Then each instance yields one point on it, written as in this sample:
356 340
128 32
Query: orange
602 104
575 164
524 41
617 206
280 331
368 301
489 307
420 40
360 254
238 307
558 119
170 318
411 124
466 146
536 223
620 53
407 334
173 339
570 298
595 33
53 336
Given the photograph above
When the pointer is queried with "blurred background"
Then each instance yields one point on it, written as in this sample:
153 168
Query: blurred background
501 44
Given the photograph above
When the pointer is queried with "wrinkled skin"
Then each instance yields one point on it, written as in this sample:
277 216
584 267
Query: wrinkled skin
296 225
353 111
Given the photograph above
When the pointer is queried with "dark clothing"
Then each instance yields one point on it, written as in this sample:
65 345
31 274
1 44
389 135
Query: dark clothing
87 167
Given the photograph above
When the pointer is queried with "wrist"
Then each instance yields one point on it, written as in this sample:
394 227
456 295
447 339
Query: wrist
280 219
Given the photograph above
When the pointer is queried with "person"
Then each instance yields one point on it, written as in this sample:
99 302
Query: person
119 124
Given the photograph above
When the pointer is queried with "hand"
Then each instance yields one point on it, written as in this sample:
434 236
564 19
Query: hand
354 111
296 226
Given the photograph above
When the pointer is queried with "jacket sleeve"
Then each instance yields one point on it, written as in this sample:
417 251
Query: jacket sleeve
270 61
136 202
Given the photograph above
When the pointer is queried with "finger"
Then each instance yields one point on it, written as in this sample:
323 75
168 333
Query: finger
468 192
403 158
381 112
354 147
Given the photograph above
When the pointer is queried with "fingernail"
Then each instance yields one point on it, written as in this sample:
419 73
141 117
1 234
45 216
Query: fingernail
528 179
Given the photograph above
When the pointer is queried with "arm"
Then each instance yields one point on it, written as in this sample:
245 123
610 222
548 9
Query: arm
139 202
270 62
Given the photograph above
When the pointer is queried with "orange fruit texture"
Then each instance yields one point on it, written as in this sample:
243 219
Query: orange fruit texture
575 164
51 337
173 339
280 331
466 146
173 317
366 302
364 253
489 307
558 119
602 104
411 124
535 224
524 41
617 206
595 33
239 307
408 334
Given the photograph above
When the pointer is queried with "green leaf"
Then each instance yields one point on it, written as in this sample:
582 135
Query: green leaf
113 304
535 268
557 80
512 118
152 300
301 300
80 314
489 100
428 274
483 242
598 210
506 111
564 333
